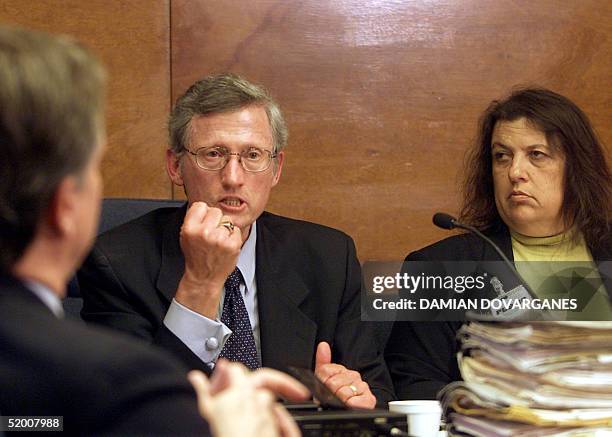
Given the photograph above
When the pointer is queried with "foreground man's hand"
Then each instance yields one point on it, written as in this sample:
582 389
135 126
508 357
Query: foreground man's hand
344 383
211 252
236 402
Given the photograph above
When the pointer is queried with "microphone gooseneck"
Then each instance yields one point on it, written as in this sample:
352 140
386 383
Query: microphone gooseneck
448 222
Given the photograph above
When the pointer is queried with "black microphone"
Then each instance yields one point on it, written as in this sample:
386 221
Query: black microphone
444 221
447 221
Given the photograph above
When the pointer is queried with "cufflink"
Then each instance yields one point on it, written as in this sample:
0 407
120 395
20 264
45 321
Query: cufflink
212 344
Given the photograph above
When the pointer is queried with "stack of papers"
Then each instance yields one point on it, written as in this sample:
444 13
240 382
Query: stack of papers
532 379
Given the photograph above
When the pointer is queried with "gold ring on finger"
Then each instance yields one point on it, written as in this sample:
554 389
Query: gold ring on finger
227 224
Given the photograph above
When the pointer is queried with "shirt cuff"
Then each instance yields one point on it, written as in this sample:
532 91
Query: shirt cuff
205 337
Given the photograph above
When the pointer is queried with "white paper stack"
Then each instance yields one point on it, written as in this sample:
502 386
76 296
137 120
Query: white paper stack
532 379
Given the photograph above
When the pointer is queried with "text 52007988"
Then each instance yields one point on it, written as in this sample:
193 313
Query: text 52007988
31 423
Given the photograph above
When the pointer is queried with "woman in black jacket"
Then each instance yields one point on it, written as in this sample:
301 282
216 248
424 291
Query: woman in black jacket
538 184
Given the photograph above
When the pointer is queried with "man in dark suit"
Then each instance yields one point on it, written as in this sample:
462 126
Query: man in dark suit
165 276
52 141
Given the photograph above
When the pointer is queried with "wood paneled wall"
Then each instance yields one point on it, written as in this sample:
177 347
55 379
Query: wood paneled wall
132 38
381 96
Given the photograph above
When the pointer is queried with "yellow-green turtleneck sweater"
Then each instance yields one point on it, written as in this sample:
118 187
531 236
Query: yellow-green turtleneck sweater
566 270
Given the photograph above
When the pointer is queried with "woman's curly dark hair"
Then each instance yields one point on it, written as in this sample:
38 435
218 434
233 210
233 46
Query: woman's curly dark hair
587 197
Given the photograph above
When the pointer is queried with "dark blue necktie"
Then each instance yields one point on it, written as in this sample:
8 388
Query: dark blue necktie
240 346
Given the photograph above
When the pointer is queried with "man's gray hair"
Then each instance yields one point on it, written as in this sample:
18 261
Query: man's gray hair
222 93
51 118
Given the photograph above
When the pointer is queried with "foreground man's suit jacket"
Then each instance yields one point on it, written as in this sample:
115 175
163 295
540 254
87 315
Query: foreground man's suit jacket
308 290
422 356
102 383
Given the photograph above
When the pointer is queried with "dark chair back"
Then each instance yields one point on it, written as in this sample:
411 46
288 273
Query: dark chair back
115 212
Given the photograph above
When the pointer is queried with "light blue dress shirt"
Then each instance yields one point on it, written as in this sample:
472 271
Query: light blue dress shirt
48 297
206 337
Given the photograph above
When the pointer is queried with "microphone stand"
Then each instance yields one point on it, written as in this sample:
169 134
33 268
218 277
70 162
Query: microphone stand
448 222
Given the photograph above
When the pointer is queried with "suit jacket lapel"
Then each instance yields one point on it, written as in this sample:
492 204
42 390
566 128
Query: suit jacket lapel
502 240
172 260
287 334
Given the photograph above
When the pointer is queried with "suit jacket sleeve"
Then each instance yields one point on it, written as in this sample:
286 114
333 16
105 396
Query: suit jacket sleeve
100 382
154 399
355 343
107 302
422 355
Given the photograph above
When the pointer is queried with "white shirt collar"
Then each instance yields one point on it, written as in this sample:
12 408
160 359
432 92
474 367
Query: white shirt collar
48 297
246 259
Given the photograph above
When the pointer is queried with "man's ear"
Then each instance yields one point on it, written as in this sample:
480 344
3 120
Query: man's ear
173 168
62 212
278 167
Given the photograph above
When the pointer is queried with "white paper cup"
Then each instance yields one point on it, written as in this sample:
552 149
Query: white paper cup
423 416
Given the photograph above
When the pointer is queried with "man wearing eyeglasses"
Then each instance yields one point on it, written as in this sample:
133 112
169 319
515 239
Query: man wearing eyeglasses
221 277
55 373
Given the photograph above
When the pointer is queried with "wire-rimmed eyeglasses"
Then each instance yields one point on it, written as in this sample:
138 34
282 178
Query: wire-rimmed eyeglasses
252 159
